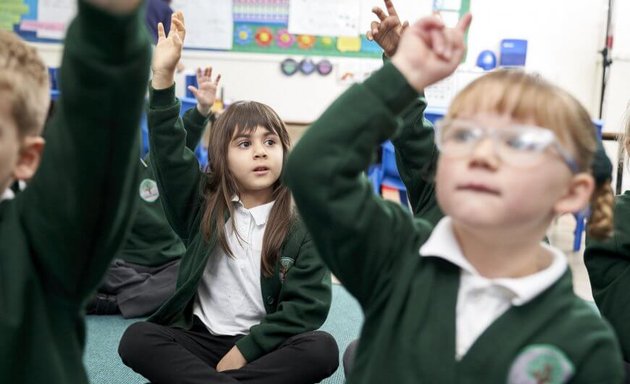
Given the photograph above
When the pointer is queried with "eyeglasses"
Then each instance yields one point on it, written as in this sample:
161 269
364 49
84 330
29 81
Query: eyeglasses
516 145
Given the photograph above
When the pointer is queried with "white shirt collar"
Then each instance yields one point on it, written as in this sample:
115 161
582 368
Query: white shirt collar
7 194
260 213
443 244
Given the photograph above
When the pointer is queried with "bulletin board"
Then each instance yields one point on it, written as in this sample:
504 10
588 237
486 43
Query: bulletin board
290 27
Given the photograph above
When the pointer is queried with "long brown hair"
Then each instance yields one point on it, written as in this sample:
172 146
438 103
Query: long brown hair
523 96
220 185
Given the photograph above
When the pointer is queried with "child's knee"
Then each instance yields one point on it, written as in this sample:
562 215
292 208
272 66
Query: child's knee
325 350
134 342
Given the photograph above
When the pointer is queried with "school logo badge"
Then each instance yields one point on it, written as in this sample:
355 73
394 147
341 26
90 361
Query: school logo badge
285 264
541 364
149 190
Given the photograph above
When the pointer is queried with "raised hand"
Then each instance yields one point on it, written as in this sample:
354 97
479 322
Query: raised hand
206 94
120 7
429 52
168 51
386 32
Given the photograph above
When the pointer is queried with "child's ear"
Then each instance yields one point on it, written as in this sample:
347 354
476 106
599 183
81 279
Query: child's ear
578 194
29 157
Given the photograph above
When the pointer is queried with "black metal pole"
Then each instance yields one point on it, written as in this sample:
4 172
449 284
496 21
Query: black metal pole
606 61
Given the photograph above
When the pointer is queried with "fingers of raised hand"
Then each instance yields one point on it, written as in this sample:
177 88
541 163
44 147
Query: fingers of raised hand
374 28
379 13
464 22
390 8
161 33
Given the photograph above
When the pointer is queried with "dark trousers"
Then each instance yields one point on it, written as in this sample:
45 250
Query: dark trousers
139 290
166 355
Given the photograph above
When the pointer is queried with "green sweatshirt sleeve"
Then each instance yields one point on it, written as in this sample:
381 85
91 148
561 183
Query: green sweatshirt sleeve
608 265
194 124
359 235
303 304
416 159
175 166
78 206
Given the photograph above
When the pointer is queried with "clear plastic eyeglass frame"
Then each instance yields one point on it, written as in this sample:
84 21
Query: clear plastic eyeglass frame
517 145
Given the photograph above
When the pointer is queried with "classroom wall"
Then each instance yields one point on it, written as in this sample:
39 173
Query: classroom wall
564 39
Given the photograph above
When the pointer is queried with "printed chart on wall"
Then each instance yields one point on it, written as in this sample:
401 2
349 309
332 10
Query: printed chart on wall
43 20
303 27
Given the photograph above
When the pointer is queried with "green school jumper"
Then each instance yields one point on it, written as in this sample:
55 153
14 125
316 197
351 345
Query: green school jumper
409 301
298 295
59 235
151 241
416 160
608 265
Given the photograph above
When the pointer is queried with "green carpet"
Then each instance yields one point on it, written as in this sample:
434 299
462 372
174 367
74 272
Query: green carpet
103 333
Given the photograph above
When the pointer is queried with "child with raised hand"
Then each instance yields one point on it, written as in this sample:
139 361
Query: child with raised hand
144 272
608 265
251 288
416 154
478 298
58 236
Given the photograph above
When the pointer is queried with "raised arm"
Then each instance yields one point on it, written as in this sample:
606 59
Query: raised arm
416 153
195 119
416 159
78 206
175 166
359 235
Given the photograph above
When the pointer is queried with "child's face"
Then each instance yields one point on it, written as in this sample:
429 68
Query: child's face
483 190
9 145
255 160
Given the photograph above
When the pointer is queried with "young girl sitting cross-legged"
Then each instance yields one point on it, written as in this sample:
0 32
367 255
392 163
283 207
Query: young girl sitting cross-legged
479 298
251 289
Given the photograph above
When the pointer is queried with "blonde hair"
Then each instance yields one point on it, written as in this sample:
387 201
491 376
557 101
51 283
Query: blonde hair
524 96
24 83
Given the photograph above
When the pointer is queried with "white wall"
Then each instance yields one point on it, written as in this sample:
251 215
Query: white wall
564 38
562 46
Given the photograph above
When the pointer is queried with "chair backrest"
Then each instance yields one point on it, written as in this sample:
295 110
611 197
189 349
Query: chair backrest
389 160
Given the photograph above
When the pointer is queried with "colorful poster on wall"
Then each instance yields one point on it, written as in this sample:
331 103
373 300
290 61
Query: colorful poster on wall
264 12
11 12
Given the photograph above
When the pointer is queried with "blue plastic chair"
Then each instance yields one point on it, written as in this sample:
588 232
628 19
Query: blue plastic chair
386 173
201 152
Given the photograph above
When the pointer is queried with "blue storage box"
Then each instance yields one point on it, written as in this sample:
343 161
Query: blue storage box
513 53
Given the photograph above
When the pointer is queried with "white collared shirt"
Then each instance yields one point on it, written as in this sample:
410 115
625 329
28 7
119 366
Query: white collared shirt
480 301
229 299
7 194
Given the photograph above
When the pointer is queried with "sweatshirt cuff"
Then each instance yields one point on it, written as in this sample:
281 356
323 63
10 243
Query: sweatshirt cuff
196 117
159 98
116 36
389 85
249 349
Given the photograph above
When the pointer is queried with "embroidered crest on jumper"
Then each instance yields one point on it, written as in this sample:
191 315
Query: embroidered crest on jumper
285 264
149 190
541 364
